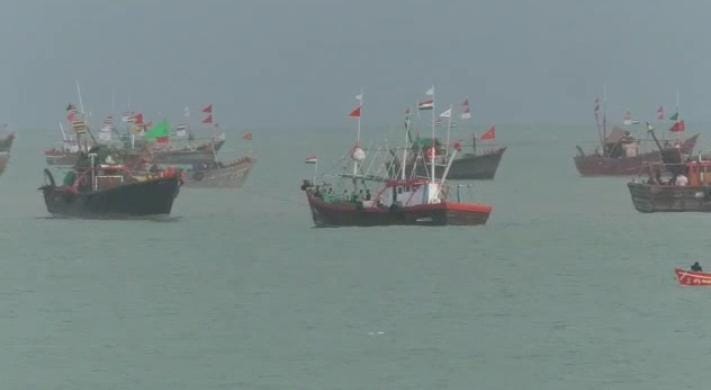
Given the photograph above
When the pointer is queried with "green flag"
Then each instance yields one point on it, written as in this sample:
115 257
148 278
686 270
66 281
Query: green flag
674 117
160 130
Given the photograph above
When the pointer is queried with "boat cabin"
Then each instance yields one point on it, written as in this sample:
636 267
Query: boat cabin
410 193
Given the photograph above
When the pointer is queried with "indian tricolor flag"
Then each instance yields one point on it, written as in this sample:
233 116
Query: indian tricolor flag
311 160
426 104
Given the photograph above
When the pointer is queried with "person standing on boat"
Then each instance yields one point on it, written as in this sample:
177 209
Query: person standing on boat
696 267
681 180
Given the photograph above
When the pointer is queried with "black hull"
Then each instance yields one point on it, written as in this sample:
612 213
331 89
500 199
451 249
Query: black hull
649 198
142 199
469 166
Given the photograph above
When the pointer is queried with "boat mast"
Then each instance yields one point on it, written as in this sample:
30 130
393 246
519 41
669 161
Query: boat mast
64 135
449 165
449 129
84 116
188 126
403 166
359 97
431 92
604 117
81 102
678 136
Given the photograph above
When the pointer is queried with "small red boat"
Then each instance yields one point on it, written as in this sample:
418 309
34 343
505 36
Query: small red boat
690 278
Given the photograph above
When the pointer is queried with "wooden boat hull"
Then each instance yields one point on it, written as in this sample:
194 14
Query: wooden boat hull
690 278
142 199
231 175
349 214
598 165
469 166
649 198
66 159
182 157
201 154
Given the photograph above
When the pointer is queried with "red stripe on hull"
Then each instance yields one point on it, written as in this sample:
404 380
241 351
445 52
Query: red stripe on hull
349 214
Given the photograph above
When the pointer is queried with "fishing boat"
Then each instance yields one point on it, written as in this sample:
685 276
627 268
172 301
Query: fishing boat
621 155
219 175
676 184
691 278
379 200
478 165
99 190
397 202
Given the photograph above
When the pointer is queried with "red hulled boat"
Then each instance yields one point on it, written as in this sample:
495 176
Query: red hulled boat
691 278
409 202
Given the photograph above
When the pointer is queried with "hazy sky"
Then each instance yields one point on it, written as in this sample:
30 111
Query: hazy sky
299 63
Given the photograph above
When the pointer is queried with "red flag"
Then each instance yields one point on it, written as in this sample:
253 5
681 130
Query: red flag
208 119
490 134
247 136
458 145
355 113
207 109
678 127
72 116
138 119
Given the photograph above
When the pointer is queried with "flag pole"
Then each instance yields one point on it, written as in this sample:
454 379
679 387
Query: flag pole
61 129
449 128
678 136
360 113
403 166
360 105
315 172
434 149
81 103
604 117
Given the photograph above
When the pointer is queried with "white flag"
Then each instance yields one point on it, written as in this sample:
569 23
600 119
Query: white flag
359 97
187 112
446 114
466 115
430 92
